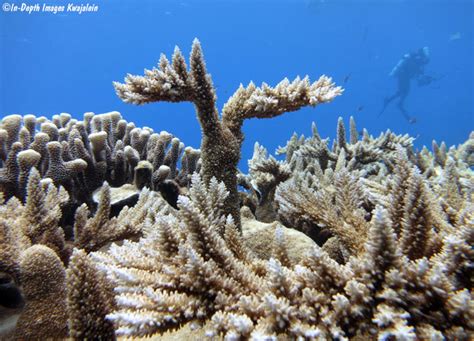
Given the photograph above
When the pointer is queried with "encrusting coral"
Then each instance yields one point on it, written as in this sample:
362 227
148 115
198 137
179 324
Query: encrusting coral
387 250
221 137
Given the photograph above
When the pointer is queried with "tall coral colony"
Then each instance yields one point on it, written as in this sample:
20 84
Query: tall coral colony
109 230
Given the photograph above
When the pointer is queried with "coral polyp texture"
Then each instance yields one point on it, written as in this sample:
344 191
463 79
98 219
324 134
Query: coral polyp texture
80 155
109 230
222 136
205 274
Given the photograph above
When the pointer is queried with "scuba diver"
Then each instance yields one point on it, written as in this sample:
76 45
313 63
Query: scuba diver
411 66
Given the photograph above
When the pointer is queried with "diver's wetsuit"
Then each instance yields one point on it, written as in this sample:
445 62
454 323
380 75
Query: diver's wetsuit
409 67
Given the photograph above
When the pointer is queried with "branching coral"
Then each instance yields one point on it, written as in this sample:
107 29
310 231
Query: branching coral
93 233
397 265
222 138
394 225
329 203
37 221
81 155
89 300
200 275
329 197
34 250
190 266
265 174
372 155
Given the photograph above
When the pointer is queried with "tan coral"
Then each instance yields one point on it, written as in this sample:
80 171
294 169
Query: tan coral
284 296
222 138
258 237
266 174
43 276
100 230
399 262
89 300
81 154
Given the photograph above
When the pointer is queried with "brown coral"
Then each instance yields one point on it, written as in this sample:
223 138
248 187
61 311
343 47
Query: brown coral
398 262
195 275
222 138
44 284
89 300
81 155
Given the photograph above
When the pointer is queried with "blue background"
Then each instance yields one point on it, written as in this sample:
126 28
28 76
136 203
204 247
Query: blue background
66 62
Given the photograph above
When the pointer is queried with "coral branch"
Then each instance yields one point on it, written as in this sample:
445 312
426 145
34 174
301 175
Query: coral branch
222 139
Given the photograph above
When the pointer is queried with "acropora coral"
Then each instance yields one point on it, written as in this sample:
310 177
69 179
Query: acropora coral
222 137
109 230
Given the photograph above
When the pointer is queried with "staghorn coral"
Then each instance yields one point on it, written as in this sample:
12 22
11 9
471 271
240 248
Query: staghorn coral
38 220
53 167
88 301
398 263
330 203
193 268
265 174
221 137
31 240
185 271
100 230
372 155
385 167
41 216
397 247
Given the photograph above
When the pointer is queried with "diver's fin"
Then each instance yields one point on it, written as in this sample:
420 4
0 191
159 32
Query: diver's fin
410 119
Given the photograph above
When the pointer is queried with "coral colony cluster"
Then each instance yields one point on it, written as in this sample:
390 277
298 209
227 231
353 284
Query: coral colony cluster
110 230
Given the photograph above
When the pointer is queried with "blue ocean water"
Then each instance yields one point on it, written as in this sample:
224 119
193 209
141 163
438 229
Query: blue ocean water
66 62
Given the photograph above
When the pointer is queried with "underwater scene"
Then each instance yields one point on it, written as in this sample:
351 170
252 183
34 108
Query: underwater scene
237 170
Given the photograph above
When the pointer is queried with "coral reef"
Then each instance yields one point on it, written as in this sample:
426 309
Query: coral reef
35 254
203 273
333 192
395 255
109 230
89 300
81 155
43 279
221 137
